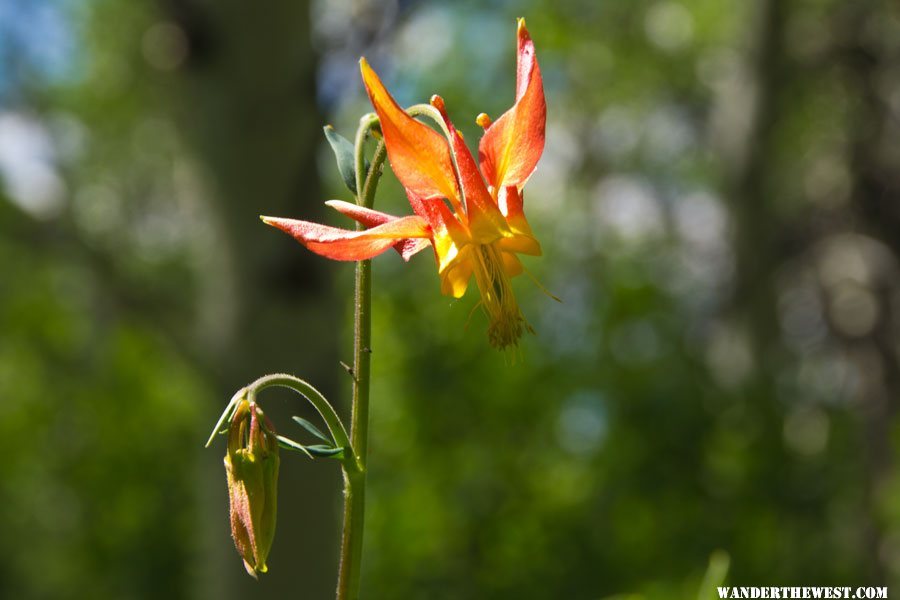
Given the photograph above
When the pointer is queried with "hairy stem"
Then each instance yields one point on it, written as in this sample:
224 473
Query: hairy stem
332 421
355 471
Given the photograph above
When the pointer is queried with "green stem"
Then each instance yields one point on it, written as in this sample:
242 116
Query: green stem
355 479
355 472
332 421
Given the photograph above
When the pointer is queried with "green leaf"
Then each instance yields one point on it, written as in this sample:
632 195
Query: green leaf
325 451
345 156
289 444
313 429
314 451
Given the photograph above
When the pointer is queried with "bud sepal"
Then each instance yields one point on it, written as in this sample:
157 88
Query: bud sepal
251 467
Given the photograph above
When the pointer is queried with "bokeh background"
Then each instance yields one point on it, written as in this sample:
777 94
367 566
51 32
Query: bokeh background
719 206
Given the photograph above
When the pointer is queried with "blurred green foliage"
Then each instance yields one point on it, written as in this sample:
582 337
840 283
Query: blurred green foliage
96 413
717 207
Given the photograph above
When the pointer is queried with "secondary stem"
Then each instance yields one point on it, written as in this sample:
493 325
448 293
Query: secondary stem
355 471
332 421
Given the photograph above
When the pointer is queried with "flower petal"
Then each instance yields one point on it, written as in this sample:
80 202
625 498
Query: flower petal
452 244
484 219
448 235
372 218
420 156
455 280
511 264
361 214
526 60
522 240
341 244
512 145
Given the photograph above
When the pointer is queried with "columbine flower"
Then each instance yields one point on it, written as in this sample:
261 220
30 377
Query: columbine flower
251 465
486 228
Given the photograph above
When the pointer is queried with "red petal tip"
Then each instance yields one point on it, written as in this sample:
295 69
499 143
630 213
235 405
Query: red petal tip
438 103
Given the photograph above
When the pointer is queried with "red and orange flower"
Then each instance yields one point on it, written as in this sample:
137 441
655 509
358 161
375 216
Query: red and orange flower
486 228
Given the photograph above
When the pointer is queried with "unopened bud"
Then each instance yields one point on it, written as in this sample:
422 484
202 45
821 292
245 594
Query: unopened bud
251 465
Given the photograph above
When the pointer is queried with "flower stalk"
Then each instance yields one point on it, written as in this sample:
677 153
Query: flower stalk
355 478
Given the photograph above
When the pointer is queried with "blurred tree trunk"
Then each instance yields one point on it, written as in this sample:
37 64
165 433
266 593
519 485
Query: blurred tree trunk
756 246
764 242
867 55
247 105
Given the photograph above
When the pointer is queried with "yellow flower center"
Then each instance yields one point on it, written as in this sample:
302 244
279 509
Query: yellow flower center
497 298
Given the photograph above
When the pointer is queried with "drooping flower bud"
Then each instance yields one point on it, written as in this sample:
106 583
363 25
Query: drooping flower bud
251 465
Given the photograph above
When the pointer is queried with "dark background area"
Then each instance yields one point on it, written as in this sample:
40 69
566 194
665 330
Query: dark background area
719 206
